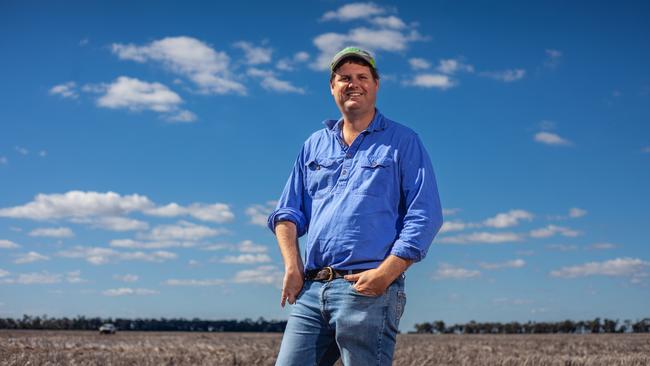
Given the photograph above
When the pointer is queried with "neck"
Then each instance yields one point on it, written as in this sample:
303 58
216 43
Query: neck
357 123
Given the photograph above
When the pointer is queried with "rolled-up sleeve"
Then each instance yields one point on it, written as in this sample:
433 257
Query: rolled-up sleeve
423 212
290 206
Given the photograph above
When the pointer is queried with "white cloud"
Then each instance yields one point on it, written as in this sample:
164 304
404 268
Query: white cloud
438 81
508 219
371 39
482 237
193 263
188 57
36 278
219 246
120 224
4 160
30 257
194 282
515 263
183 230
354 11
550 138
552 230
602 246
77 204
419 63
135 244
449 226
452 66
8 244
274 84
628 267
301 56
246 259
505 75
42 278
270 82
575 212
247 246
255 55
645 149
66 90
450 211
126 277
136 95
217 212
21 150
42 153
288 64
266 275
390 21
183 116
124 291
260 213
74 277
53 232
553 58
3 273
447 271
99 255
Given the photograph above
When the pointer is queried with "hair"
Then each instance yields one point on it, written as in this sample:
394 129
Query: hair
358 61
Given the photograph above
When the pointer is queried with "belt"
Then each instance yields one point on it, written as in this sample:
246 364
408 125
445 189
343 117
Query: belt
328 273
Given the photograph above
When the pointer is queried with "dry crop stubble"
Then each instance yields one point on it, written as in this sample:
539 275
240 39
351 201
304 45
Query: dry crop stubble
180 348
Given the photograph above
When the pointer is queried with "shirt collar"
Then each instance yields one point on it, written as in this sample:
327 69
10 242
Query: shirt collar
378 123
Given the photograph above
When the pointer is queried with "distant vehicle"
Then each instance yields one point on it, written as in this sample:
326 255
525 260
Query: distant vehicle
107 328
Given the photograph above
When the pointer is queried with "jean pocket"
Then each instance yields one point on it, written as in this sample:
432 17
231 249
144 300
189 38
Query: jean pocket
355 292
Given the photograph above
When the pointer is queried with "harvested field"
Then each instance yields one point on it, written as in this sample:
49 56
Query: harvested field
158 348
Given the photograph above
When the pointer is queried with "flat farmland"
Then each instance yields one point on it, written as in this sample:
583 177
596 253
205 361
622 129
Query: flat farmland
177 348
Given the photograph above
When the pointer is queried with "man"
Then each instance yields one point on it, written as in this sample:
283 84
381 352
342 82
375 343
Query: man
364 190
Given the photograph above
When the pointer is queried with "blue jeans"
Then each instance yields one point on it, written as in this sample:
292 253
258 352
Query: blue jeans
331 320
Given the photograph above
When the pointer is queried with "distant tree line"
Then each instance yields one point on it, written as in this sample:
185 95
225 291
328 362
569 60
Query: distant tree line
261 325
162 324
566 326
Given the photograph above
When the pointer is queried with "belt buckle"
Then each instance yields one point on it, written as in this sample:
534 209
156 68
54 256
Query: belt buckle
331 273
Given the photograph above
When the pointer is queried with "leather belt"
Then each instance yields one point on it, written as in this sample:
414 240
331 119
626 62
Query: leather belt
328 273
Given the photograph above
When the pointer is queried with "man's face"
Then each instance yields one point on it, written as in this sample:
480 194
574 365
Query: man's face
354 89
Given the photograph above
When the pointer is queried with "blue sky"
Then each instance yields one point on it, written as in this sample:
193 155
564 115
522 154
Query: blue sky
142 146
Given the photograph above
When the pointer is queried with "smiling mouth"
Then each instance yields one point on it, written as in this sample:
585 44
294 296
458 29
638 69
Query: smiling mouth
353 94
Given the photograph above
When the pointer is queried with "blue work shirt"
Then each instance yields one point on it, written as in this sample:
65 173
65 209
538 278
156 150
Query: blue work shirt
358 204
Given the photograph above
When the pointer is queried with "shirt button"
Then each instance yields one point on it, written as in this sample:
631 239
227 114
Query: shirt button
348 156
344 172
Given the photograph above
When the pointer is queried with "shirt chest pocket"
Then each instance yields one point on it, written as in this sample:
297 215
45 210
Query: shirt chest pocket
376 176
320 175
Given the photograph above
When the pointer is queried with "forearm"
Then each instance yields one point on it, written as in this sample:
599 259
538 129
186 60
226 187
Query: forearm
393 266
287 236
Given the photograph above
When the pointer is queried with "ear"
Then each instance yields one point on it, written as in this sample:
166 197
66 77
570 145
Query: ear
332 87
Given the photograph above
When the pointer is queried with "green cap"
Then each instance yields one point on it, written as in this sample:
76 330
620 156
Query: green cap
352 52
